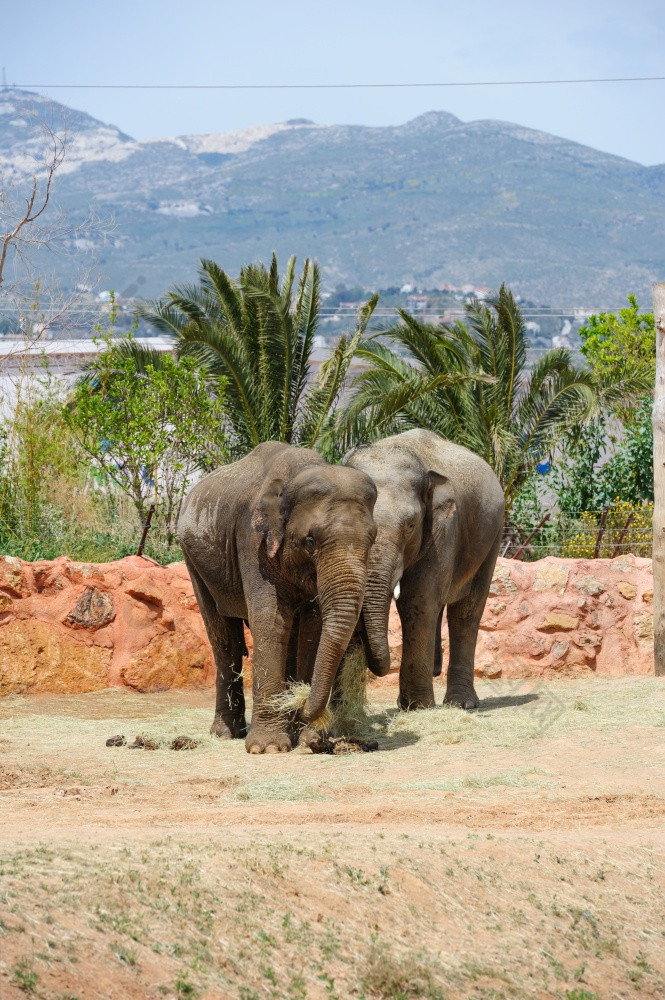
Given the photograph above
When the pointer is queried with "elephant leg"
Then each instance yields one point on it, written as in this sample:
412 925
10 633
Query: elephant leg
418 611
271 628
438 655
228 646
230 696
292 652
463 623
309 634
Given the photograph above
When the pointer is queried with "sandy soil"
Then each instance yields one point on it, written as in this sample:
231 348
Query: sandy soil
514 852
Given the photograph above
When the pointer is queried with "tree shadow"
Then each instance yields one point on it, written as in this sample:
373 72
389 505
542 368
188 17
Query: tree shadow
507 701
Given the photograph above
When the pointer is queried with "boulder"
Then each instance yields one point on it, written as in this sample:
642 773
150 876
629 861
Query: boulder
35 658
551 574
589 585
171 660
557 621
94 609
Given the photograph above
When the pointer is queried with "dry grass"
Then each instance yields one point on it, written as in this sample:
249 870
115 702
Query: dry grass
292 700
514 852
349 700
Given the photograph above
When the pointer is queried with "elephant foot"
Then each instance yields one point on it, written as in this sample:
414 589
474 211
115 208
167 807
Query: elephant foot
267 739
237 730
411 703
463 697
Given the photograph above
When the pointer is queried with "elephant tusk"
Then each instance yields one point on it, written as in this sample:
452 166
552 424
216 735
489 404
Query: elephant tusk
396 592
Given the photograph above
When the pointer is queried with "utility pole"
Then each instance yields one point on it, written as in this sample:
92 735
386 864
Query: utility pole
658 293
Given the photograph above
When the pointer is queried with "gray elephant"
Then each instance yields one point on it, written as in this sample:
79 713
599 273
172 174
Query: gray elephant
280 539
439 514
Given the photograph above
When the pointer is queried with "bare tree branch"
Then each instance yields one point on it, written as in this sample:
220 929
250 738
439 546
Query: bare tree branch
22 227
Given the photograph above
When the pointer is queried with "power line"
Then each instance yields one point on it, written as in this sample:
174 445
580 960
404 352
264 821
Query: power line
332 86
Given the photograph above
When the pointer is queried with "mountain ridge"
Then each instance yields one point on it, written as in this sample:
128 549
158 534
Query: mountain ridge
434 200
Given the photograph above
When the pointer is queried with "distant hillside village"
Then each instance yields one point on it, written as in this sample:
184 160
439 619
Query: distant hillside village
546 326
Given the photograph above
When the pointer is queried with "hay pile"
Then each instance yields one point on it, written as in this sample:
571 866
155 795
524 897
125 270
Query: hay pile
347 712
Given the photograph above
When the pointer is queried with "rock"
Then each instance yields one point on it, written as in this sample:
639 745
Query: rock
189 601
590 586
643 627
502 582
589 643
560 648
490 670
623 564
627 590
6 604
171 660
538 646
591 639
50 576
93 610
84 572
145 589
558 621
647 596
36 658
12 576
551 576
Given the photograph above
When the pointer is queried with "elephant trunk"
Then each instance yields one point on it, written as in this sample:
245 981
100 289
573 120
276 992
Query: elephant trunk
341 583
376 610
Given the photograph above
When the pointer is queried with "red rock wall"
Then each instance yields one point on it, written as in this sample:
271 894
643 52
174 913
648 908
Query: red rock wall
67 626
563 618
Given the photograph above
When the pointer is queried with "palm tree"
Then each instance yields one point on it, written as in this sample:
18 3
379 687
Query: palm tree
258 340
470 383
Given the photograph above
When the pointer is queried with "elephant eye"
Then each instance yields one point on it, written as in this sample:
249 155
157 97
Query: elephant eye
309 542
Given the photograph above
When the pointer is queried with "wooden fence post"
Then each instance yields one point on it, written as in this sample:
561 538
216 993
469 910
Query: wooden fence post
658 293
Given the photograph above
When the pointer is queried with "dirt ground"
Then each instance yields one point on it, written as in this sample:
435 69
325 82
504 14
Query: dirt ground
518 851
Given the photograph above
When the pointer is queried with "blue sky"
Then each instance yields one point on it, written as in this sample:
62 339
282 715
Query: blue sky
366 41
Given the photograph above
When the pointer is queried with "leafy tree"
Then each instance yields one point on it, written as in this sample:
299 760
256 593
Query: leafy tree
39 458
470 382
621 346
594 468
148 431
257 334
611 457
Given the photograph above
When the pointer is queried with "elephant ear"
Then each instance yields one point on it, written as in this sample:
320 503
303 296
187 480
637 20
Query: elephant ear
268 517
439 499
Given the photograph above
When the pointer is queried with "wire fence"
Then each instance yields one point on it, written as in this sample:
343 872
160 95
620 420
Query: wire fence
99 525
613 530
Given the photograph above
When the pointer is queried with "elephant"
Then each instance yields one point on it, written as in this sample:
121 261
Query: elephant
281 540
439 513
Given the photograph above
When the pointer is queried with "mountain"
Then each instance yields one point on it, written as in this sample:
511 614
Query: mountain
434 201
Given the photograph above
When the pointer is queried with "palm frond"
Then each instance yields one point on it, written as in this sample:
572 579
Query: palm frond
251 333
331 378
470 382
